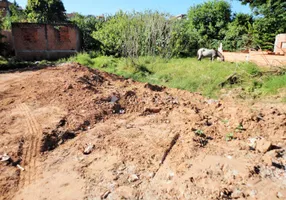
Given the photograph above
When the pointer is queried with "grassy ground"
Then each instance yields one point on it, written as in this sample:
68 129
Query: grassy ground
206 77
209 78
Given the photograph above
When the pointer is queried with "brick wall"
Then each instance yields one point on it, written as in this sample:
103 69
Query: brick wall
45 41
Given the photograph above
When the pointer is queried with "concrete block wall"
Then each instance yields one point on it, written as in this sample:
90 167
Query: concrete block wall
34 41
280 44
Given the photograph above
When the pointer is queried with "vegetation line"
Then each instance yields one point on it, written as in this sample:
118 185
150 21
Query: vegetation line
212 79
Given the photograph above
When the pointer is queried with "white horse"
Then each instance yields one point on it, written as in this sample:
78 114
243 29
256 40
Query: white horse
212 53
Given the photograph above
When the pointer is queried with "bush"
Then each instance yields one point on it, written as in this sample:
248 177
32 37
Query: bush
143 34
87 25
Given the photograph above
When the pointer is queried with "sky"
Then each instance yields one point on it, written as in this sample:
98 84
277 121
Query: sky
99 7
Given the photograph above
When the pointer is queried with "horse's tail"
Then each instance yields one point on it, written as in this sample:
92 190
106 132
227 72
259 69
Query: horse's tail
199 53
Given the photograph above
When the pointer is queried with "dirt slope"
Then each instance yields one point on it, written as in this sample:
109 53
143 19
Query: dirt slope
148 142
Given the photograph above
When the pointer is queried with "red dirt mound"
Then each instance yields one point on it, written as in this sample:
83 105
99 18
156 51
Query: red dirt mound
141 141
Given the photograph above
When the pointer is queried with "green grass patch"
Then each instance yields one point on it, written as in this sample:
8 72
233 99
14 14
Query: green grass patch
272 84
206 77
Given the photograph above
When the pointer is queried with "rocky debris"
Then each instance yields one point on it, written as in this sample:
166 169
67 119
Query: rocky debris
142 142
269 156
260 144
129 126
171 100
236 194
200 142
105 194
118 109
88 149
20 167
212 101
51 139
267 159
133 178
171 176
114 98
279 195
68 86
253 142
5 158
252 193
151 175
263 145
275 171
225 193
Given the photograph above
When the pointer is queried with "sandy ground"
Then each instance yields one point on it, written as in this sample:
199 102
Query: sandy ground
145 141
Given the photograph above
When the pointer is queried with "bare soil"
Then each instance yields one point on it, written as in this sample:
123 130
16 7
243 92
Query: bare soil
145 141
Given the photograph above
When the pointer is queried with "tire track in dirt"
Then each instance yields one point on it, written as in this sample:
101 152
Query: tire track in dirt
31 147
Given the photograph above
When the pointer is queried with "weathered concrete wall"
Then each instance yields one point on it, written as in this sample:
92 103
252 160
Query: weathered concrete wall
45 41
258 57
280 44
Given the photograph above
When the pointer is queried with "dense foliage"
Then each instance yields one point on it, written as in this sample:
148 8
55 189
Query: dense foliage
46 11
138 34
208 22
87 25
207 25
159 34
15 14
239 33
270 21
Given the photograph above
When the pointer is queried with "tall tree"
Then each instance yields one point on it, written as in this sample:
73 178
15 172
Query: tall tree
240 32
15 14
208 21
87 25
270 21
46 11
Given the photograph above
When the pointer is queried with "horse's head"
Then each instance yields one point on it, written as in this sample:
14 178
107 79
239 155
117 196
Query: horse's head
219 54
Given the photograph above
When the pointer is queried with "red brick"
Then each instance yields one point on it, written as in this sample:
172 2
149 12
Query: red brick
34 41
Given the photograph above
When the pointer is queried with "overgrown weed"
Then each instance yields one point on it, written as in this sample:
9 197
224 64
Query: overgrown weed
206 77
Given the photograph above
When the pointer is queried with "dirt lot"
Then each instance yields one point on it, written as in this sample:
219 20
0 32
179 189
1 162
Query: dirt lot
145 142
